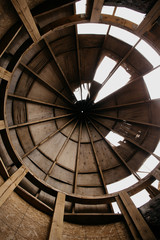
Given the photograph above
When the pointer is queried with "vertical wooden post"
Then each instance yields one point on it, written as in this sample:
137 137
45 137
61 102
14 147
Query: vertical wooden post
134 219
8 187
57 221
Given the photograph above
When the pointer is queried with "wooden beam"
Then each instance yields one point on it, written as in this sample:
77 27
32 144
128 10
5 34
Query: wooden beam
47 138
24 13
10 95
156 174
3 170
127 120
149 20
77 158
57 221
9 37
8 187
4 74
96 10
39 121
140 224
2 125
45 83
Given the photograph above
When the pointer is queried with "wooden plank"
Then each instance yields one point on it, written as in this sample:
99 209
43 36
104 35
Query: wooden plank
92 218
9 37
3 170
156 174
57 221
8 187
4 74
141 225
37 101
2 125
96 10
39 121
149 20
27 18
128 219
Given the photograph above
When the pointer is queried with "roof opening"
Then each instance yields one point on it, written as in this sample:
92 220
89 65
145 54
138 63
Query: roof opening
104 69
148 52
92 28
129 14
123 35
118 80
150 163
81 92
140 198
152 82
114 138
107 10
122 184
81 7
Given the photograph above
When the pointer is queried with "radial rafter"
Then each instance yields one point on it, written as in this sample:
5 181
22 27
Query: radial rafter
129 140
60 151
43 81
116 152
37 101
39 121
96 159
59 67
127 120
48 137
77 158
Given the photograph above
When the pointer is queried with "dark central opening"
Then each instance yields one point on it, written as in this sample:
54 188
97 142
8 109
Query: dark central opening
83 108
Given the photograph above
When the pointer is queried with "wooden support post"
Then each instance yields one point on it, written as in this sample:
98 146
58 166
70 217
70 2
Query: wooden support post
8 187
134 219
2 125
4 74
27 18
57 221
156 174
96 10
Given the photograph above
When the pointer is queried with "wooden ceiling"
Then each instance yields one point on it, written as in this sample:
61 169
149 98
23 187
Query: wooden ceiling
43 60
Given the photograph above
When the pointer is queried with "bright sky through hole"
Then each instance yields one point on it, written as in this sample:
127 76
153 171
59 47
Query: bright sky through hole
157 149
92 28
81 7
122 184
114 138
149 53
107 10
104 69
123 35
118 80
131 15
150 163
77 92
140 198
152 81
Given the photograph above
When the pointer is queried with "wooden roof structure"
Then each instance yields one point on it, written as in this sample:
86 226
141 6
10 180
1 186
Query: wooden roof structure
61 140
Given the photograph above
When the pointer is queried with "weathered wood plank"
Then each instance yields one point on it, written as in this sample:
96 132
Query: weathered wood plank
96 10
4 74
8 187
57 221
141 225
27 18
2 125
149 20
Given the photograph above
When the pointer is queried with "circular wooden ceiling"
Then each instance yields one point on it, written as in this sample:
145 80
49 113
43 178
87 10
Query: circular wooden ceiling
63 140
